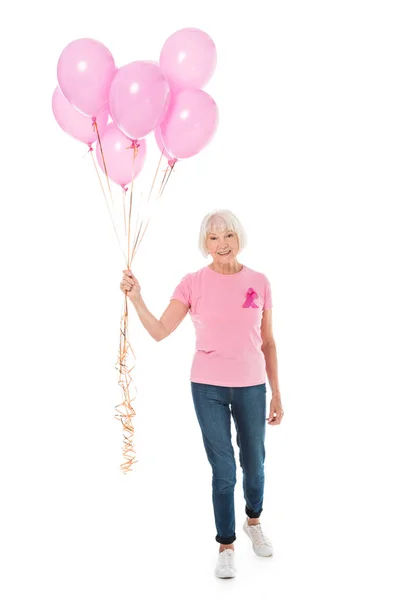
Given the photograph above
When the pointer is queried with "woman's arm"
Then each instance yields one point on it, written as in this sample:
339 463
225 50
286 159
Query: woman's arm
169 321
269 350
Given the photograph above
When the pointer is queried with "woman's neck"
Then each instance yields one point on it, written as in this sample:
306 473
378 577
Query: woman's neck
227 269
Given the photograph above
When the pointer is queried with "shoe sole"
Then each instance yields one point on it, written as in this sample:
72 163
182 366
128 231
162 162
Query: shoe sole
225 576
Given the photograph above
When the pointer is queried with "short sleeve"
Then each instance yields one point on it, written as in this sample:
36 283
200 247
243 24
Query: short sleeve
267 295
183 291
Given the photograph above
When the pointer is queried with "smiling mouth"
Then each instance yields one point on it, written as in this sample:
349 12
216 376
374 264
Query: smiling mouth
224 253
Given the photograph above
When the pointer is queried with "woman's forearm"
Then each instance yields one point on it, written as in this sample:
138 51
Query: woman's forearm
271 365
149 321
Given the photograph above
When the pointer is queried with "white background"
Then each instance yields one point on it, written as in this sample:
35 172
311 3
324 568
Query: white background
307 155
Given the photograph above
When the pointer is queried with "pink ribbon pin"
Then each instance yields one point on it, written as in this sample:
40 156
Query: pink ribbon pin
251 295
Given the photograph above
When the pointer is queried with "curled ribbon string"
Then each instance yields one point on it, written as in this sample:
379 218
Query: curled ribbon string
251 295
126 357
134 232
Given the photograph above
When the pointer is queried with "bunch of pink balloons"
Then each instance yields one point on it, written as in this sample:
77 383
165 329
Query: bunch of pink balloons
123 106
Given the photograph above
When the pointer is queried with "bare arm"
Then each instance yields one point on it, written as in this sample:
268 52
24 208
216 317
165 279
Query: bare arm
269 350
169 321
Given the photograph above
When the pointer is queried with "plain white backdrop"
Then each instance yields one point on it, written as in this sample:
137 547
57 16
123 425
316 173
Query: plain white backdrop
307 154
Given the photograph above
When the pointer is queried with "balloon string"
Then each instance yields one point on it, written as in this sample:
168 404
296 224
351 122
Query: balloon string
124 410
135 146
102 156
145 223
139 236
108 207
124 190
167 175
139 232
155 177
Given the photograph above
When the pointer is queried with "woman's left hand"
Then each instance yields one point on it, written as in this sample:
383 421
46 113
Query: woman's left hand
275 410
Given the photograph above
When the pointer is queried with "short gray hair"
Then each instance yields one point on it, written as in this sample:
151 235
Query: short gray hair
221 220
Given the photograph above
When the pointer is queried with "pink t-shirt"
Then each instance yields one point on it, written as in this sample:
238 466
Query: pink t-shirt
226 311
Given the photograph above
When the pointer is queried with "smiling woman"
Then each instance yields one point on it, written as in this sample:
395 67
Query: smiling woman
230 306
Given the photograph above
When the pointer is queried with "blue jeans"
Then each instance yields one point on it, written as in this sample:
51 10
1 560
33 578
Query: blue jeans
248 407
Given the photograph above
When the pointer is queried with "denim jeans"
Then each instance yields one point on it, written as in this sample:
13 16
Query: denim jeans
214 405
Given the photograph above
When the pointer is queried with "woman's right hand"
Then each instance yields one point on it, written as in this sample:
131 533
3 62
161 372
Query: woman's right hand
130 286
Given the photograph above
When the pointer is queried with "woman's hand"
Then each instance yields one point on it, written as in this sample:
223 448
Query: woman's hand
130 286
275 410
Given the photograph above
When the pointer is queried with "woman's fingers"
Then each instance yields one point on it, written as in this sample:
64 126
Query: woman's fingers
130 285
130 275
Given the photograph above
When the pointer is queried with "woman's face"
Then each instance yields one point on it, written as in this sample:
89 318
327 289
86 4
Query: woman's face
223 246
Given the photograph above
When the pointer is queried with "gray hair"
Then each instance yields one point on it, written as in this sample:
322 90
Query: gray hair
221 220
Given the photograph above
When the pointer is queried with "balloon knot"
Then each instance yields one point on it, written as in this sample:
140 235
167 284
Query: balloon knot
135 144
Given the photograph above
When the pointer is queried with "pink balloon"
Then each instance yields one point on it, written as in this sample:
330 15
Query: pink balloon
188 59
139 98
118 155
160 144
75 123
85 70
190 124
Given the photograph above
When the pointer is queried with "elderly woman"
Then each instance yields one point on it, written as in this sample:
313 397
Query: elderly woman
230 306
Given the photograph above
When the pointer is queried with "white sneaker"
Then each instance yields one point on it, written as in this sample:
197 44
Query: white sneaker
225 565
261 544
